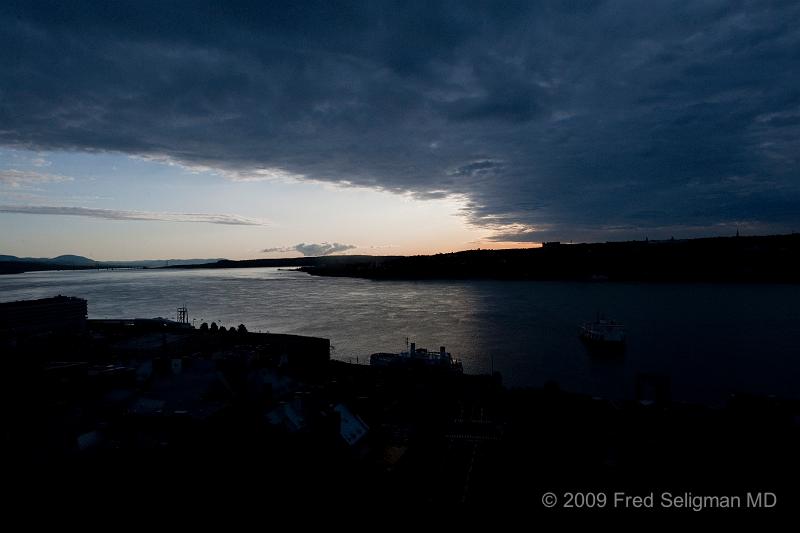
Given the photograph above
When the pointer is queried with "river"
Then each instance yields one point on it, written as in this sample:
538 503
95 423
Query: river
710 339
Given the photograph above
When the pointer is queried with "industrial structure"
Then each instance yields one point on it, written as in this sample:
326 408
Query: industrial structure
57 315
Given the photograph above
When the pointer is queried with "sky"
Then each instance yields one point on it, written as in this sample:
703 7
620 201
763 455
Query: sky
133 130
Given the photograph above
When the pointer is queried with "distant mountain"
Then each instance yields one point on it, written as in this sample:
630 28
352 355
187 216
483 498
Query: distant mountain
155 263
66 260
323 261
11 264
71 260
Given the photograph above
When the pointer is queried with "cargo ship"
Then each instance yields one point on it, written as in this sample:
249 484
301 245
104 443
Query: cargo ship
602 332
415 357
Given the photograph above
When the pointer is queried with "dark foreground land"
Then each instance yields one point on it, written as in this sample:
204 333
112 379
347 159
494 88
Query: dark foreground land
155 411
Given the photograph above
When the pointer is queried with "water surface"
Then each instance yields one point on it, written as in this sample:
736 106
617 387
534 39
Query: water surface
711 339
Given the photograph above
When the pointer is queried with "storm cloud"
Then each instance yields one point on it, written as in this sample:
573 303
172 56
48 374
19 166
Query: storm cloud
554 120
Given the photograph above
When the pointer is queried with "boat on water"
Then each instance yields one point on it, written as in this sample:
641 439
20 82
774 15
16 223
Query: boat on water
603 332
415 357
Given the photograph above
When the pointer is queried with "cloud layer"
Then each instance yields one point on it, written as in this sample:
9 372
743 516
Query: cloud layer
553 119
115 214
26 178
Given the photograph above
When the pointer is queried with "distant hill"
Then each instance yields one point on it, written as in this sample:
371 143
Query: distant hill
10 264
326 260
67 260
773 258
157 263
71 260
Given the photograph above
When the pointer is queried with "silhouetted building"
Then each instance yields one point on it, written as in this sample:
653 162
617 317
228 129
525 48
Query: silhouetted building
297 352
61 314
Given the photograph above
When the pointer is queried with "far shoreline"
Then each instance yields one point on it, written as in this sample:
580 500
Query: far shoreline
758 259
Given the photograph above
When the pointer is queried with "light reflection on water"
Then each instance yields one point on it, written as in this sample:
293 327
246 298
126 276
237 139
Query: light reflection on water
711 339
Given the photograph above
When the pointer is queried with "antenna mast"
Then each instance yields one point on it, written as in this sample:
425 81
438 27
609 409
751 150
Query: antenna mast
183 315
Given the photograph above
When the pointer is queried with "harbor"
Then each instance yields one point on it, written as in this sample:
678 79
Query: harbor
116 402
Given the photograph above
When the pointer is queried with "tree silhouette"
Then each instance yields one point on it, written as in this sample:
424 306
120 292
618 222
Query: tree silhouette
214 327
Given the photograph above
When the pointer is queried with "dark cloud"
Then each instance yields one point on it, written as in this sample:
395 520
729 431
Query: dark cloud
116 214
574 119
313 250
